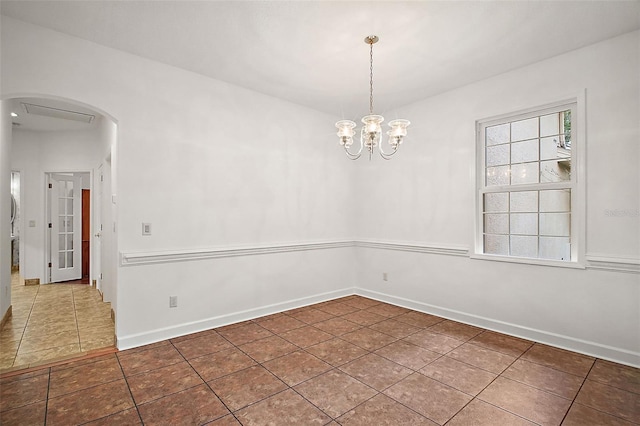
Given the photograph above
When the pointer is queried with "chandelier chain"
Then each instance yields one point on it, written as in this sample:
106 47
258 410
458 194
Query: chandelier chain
371 78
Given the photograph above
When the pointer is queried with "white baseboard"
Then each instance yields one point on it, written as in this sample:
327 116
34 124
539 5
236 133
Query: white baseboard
140 339
597 350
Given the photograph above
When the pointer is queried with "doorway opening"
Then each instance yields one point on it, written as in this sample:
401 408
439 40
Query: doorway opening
69 224
61 161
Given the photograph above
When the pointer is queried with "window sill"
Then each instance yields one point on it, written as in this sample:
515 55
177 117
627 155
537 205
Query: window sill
529 261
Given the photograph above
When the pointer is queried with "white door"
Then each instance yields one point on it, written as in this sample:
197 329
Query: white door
66 218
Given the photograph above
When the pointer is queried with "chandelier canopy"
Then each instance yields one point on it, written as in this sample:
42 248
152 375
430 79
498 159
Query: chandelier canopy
370 134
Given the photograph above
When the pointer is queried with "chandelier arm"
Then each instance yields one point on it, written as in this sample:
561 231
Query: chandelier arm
385 155
351 155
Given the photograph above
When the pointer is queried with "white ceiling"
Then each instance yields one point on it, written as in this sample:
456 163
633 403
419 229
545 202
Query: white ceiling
312 52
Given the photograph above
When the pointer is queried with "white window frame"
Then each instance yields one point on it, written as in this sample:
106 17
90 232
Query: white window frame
576 184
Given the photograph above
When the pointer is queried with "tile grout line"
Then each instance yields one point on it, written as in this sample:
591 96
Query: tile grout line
46 401
489 384
124 376
203 380
573 402
26 324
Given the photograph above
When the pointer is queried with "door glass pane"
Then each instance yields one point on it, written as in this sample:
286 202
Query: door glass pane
61 258
61 206
61 240
69 223
62 223
69 241
524 129
70 188
525 201
69 259
70 206
497 134
496 244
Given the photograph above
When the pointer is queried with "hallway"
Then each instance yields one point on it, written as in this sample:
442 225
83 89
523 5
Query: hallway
53 322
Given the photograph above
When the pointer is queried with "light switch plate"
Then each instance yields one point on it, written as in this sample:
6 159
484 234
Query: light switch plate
146 229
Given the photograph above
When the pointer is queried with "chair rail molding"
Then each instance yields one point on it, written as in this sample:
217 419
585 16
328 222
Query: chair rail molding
613 263
145 258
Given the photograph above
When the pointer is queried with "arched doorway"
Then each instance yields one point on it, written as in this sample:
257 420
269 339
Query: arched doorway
60 140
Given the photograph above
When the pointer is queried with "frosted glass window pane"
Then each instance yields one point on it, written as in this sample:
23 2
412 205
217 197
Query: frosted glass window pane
498 155
524 173
70 259
70 206
556 248
550 124
555 224
496 202
524 223
555 171
498 175
496 223
497 134
526 201
555 200
61 240
61 257
549 148
524 129
524 246
496 244
524 152
70 242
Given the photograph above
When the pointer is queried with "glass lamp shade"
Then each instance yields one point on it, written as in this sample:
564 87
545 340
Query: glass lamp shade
371 130
398 131
346 132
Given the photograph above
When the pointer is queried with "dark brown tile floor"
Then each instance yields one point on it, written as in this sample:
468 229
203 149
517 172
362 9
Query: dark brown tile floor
351 361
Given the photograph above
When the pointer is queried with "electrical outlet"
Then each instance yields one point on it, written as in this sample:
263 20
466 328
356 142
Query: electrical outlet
173 301
385 277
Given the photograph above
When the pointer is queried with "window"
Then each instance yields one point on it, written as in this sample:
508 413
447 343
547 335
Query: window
527 185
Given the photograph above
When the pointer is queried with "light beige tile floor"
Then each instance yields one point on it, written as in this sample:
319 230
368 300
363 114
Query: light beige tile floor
51 322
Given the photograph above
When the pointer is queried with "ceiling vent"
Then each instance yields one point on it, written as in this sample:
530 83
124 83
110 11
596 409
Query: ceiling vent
58 113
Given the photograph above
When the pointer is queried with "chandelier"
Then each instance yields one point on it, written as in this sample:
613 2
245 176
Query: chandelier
371 132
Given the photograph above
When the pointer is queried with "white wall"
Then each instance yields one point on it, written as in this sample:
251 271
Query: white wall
426 196
34 154
5 208
209 165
